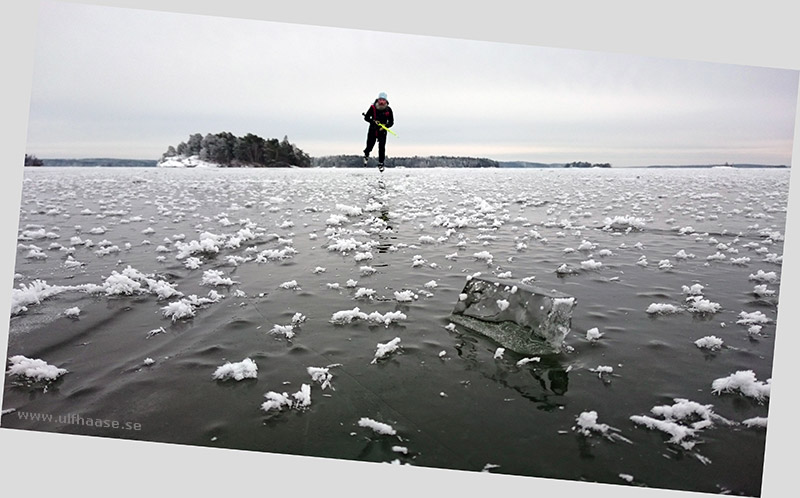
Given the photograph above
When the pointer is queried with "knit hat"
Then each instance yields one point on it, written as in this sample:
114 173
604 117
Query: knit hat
382 95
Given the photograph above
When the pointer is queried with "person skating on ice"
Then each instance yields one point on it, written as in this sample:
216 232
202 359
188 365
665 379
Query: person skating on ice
378 112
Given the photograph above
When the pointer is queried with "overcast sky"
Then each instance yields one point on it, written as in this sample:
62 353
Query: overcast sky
125 83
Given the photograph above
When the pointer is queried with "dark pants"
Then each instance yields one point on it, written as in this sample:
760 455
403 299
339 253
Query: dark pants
380 136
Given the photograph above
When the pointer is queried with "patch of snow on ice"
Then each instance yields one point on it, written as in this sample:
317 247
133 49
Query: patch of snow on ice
386 349
290 285
245 369
72 312
593 334
711 342
177 310
387 318
347 316
743 381
700 305
755 422
762 276
284 330
484 256
34 368
405 296
662 309
378 427
277 401
525 361
591 264
756 317
762 291
321 375
34 293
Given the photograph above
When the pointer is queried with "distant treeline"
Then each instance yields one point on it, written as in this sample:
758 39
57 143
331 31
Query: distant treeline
96 162
584 164
529 164
33 161
721 166
350 161
229 150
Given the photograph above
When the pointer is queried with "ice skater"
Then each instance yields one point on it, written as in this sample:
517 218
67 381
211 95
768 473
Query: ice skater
379 113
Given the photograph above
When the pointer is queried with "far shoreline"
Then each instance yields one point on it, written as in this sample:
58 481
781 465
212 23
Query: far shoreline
148 163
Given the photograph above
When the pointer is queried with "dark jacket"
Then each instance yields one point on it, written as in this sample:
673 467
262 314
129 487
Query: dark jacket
385 116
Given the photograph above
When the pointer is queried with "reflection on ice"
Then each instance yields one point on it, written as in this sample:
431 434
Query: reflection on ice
522 318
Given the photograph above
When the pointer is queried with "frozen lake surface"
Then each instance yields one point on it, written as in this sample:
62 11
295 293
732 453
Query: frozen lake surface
144 283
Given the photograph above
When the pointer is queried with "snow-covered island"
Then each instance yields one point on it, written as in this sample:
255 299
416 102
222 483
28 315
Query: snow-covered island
192 161
225 150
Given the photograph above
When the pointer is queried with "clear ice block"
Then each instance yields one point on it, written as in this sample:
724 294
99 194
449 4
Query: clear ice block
522 318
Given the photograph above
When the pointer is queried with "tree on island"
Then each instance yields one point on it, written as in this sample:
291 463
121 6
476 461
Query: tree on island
229 150
33 161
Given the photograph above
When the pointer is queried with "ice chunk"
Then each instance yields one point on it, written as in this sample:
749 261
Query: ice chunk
522 318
